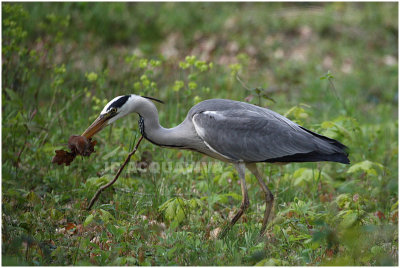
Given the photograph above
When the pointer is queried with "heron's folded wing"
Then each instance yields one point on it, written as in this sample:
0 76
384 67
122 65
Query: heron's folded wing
254 135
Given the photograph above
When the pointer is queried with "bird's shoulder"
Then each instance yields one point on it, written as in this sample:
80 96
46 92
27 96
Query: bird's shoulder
225 106
224 110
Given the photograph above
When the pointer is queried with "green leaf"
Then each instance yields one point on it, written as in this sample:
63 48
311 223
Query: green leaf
96 181
196 203
178 85
343 201
174 209
304 175
272 262
224 198
143 63
197 99
12 95
222 179
88 220
327 124
170 211
184 65
179 213
33 198
170 253
190 59
112 153
192 85
116 231
349 219
297 112
367 166
91 77
213 198
105 215
165 204
394 206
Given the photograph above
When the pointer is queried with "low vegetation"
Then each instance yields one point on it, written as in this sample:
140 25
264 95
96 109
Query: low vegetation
331 67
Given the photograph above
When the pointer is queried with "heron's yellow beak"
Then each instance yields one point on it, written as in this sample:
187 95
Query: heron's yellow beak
96 126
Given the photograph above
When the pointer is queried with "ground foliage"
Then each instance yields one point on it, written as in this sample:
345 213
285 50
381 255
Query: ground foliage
331 67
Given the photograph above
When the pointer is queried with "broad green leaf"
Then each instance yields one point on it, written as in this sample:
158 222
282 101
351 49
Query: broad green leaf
367 166
343 201
179 213
170 210
212 199
271 262
116 231
174 209
105 215
349 219
96 181
12 95
327 124
224 198
195 202
171 252
303 175
165 204
91 77
88 220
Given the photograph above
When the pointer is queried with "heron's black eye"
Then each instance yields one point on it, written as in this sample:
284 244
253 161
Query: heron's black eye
113 110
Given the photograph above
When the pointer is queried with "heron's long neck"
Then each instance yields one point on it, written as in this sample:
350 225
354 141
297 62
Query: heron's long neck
151 128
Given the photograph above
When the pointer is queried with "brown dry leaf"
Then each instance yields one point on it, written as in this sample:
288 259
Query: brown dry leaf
70 225
141 256
395 216
63 157
215 233
95 240
380 215
329 252
78 145
79 228
81 145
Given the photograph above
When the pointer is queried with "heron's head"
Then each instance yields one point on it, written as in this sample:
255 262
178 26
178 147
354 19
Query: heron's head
115 109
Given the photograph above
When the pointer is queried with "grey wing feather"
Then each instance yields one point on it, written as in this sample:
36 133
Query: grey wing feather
250 133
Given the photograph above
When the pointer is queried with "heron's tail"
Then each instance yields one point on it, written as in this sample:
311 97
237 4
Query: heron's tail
312 157
337 152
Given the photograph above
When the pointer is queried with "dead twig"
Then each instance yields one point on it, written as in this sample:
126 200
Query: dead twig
97 194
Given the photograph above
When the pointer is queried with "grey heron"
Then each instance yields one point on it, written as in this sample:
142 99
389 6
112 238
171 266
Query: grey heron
232 131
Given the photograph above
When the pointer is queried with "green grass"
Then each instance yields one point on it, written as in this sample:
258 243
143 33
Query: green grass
331 67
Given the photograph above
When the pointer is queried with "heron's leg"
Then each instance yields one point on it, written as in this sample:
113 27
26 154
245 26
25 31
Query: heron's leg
241 168
269 197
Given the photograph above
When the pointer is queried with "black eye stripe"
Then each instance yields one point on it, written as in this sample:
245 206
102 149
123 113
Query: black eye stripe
119 102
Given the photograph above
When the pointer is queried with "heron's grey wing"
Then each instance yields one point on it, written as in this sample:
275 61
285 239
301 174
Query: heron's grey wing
256 134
